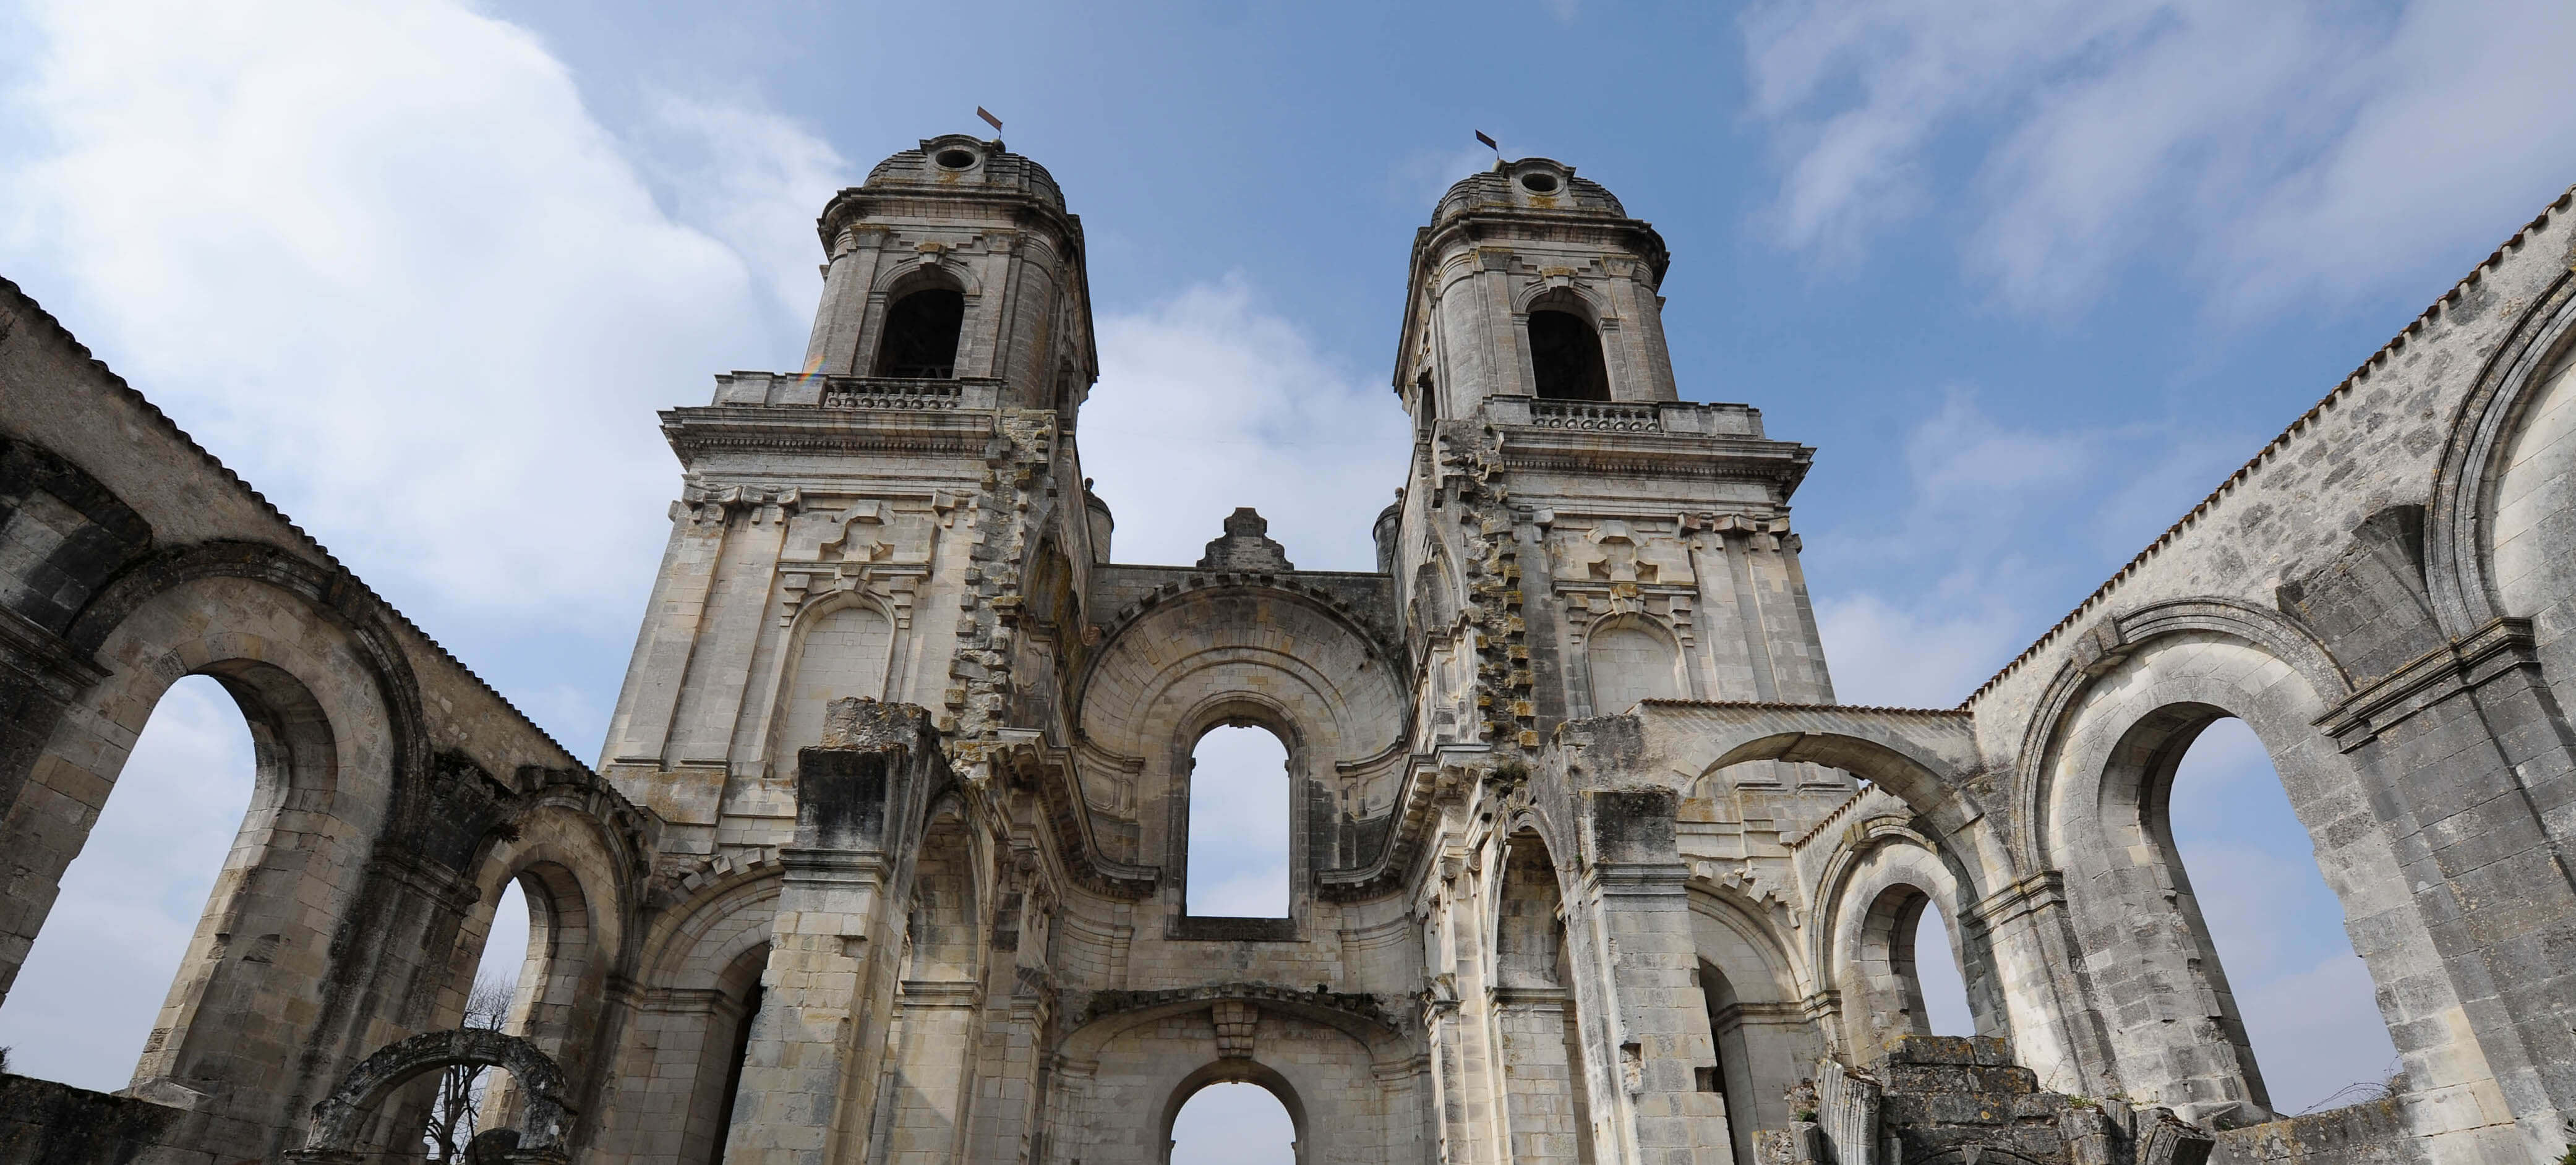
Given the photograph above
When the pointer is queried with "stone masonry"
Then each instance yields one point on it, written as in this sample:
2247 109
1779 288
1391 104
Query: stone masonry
884 860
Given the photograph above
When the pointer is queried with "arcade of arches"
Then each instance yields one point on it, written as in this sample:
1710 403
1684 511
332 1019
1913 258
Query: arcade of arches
888 857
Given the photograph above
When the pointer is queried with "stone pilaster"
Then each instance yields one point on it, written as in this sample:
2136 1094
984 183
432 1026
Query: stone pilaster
1645 1018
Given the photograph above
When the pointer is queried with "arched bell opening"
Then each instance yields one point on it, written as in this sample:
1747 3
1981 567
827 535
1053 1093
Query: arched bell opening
1566 361
922 323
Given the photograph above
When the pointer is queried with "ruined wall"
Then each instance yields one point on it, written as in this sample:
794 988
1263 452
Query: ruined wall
886 856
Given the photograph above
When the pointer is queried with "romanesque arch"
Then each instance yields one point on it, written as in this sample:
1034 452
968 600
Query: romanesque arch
2478 526
342 1122
1875 889
2158 988
1129 1065
581 879
840 646
1236 1070
678 1048
323 704
1249 655
1753 991
1632 657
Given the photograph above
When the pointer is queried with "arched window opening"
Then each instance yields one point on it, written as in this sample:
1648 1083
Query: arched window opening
1734 1075
1912 975
1233 1124
1238 847
1565 357
2290 978
727 1045
505 960
95 990
1943 993
1426 403
1631 661
921 335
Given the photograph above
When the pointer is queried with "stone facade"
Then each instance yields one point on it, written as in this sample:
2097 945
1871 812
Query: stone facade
884 860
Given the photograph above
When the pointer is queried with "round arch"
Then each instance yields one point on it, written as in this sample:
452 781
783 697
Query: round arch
341 1120
581 879
1235 1071
1878 882
690 967
875 640
1751 987
323 700
1281 659
2460 514
2136 926
1618 671
1967 838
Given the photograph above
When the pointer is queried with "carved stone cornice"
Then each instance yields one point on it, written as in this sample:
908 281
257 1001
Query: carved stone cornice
2501 646
702 431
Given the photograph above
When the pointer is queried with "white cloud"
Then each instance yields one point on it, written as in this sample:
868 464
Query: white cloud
752 178
2273 150
1918 608
385 261
1207 402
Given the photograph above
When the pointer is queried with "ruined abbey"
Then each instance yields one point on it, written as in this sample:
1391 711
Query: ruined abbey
884 860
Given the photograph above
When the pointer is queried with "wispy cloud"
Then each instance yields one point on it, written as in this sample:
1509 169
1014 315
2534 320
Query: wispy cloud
2255 146
1915 608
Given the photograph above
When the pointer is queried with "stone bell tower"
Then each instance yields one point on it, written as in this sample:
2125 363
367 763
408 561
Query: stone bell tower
830 539
1622 544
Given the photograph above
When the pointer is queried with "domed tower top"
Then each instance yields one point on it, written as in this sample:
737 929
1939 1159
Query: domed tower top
1532 282
957 261
961 165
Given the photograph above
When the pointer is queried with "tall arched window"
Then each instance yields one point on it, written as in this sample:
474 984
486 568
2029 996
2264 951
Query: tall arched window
89 997
1238 847
1935 967
921 335
1910 971
1631 660
2290 979
1565 357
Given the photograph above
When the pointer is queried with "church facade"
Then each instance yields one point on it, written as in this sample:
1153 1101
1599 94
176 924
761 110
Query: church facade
885 858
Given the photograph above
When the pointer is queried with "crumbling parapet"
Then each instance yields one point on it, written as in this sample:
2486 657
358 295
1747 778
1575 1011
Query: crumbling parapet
1951 1099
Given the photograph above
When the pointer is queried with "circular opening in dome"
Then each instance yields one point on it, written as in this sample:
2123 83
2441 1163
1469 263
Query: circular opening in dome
956 159
1539 183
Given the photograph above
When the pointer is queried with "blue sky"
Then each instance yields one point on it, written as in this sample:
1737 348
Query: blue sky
2031 276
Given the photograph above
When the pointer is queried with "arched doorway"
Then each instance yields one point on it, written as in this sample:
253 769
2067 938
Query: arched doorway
1234 1112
